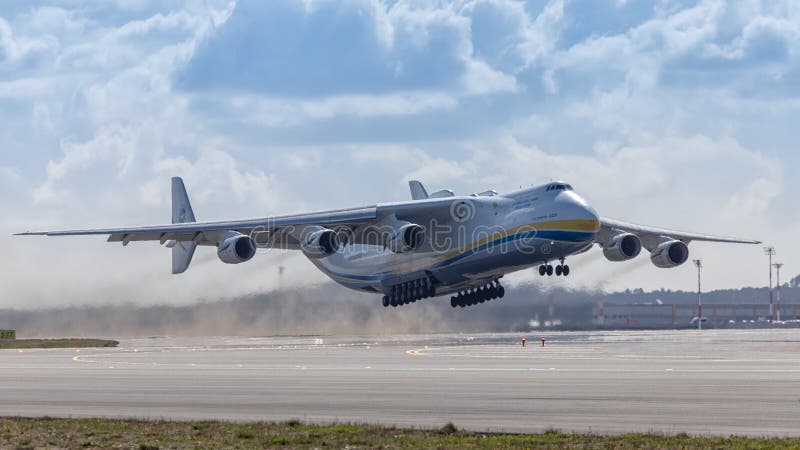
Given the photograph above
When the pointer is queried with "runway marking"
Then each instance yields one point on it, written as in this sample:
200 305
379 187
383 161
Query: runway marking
569 356
458 369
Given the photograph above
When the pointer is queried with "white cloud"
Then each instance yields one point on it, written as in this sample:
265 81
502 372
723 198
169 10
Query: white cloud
275 112
16 51
118 143
215 177
541 36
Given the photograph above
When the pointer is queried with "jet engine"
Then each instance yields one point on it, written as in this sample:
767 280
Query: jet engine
623 247
320 242
670 254
407 238
237 249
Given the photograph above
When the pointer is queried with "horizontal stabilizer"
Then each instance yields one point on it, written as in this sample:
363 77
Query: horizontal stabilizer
443 194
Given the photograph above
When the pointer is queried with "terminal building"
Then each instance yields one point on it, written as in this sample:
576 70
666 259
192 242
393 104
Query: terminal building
660 315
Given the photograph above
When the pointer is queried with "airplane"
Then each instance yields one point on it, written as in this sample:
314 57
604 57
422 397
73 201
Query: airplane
434 245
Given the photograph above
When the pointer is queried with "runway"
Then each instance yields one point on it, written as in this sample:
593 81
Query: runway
714 382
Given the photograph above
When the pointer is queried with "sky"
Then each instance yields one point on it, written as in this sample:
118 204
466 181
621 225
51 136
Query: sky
669 113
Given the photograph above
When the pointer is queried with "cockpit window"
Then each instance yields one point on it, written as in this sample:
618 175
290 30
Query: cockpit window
559 187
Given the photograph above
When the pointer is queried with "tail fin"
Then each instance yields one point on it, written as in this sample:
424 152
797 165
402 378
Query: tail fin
181 207
418 191
182 212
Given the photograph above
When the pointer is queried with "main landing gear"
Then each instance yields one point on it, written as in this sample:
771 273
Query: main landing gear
559 270
483 294
409 292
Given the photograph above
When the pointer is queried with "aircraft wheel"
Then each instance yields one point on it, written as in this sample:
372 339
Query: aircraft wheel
385 301
566 271
559 270
453 302
549 271
542 270
431 291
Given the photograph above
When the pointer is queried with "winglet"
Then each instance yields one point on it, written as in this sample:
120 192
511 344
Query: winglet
418 191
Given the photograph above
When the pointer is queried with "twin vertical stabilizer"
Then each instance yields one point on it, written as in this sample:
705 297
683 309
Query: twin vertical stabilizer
182 212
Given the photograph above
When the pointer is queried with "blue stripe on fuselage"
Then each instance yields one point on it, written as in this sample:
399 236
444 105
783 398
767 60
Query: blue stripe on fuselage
553 235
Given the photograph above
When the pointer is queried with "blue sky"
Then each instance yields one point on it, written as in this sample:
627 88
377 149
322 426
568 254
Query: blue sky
677 114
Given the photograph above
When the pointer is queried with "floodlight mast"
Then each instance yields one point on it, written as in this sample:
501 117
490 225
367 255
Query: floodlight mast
699 264
778 270
770 251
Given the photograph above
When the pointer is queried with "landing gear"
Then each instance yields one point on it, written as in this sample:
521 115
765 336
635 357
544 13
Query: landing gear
472 297
409 292
559 270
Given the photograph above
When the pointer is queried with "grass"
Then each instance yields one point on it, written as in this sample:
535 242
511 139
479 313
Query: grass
6 344
18 433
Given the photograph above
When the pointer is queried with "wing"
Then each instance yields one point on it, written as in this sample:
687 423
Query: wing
610 227
363 225
390 225
276 229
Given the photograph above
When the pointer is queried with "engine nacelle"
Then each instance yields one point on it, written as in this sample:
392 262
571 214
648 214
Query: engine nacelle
407 238
623 247
237 249
670 254
320 242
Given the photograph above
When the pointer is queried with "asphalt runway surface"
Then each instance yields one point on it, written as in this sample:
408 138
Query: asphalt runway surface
714 382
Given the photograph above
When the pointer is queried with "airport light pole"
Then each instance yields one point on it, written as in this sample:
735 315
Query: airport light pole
770 251
699 264
778 270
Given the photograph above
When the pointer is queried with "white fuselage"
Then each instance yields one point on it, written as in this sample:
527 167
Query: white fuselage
495 235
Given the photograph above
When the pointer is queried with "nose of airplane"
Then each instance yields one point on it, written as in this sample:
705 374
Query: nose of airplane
588 213
573 207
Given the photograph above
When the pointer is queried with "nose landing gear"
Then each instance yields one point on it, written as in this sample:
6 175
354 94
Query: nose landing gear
559 270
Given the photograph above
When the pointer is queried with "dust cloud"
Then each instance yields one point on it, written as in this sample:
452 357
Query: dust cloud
324 309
